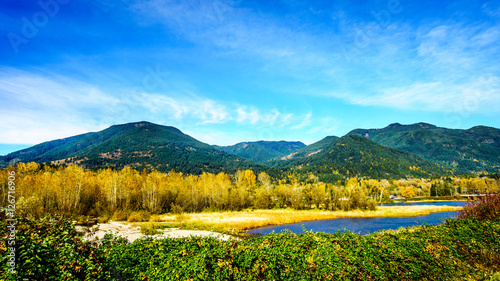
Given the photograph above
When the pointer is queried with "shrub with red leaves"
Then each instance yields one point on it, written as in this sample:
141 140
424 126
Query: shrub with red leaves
485 208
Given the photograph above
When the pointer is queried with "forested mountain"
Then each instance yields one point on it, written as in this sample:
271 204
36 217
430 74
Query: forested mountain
354 155
262 151
419 150
473 150
311 149
140 145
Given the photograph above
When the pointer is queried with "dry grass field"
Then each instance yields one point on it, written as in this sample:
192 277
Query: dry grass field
237 222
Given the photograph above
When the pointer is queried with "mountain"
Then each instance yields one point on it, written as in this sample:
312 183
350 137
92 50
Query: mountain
473 150
311 149
262 151
140 145
354 155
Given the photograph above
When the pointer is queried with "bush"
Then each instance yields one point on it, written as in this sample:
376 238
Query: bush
51 249
371 204
139 216
150 230
485 208
82 220
176 209
120 216
103 219
182 218
30 207
155 218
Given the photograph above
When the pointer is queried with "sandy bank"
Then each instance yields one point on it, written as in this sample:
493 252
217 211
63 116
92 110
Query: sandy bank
134 233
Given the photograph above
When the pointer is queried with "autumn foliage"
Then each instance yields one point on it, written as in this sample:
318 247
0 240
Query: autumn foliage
75 191
484 208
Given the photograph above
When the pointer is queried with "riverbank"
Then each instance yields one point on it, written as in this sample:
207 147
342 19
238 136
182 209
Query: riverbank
237 222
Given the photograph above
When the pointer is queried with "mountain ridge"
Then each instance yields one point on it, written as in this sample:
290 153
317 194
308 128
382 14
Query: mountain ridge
262 151
471 150
138 144
148 145
354 155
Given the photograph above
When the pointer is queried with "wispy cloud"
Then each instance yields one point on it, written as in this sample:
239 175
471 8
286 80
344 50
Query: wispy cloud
44 107
244 114
492 9
306 122
206 111
481 95
233 30
325 126
435 67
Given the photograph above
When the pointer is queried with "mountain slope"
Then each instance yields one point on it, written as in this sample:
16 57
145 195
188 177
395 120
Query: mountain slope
354 155
311 149
473 150
262 151
139 145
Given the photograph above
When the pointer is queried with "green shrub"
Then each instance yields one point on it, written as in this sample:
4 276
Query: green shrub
465 249
50 249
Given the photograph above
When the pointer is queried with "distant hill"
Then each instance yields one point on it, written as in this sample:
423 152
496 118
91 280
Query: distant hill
354 155
140 145
311 149
473 150
262 151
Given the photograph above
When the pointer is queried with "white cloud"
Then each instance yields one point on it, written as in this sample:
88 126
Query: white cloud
440 96
306 122
245 114
40 108
326 126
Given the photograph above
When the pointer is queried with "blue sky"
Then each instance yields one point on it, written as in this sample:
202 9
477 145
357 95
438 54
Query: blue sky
226 71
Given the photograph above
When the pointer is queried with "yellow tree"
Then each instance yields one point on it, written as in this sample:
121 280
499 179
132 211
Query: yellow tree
408 191
222 187
111 187
151 191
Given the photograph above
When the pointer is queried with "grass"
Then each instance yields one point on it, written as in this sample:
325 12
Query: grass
237 222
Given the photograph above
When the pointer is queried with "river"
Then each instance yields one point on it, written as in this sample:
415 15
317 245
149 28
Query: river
365 225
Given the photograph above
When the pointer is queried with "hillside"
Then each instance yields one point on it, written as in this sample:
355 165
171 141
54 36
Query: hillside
311 149
354 155
262 151
473 150
140 145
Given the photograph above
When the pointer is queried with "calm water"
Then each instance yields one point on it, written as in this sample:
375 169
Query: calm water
450 203
364 225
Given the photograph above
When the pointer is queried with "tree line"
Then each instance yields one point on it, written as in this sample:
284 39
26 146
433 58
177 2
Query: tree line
74 190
